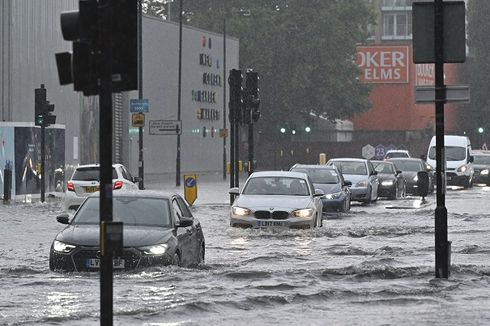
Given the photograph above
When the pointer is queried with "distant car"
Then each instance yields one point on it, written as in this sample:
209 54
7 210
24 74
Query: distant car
85 180
391 182
361 174
396 153
409 168
481 166
158 230
280 199
330 180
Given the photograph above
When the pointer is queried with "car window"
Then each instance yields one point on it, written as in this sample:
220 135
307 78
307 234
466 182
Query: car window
178 210
129 210
384 168
90 174
481 159
358 168
183 207
324 176
453 153
276 186
410 166
123 173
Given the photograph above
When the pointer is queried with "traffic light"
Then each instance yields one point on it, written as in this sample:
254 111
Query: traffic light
253 98
236 103
42 108
85 28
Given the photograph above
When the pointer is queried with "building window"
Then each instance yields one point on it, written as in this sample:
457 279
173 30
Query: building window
397 26
397 4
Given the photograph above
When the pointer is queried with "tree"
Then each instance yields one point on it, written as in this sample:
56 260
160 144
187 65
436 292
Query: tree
303 50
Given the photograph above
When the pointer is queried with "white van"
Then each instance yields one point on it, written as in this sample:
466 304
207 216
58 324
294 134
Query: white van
459 167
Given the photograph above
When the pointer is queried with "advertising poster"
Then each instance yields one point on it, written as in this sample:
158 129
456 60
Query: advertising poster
6 153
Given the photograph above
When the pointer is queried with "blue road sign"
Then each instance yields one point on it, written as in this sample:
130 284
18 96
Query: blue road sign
136 105
379 151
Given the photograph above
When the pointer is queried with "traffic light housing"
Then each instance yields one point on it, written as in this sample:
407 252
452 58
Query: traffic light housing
83 28
253 97
43 110
236 103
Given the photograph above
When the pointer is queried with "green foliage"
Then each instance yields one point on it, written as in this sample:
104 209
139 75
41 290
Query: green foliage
303 51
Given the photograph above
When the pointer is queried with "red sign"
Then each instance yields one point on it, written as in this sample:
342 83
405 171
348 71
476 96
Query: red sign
425 74
383 64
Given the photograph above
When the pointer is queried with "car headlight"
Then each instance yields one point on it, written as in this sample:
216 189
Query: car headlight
305 212
65 248
462 168
387 183
335 195
362 184
484 172
416 178
240 211
158 249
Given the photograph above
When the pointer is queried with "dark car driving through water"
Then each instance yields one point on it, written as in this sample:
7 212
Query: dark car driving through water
391 182
158 230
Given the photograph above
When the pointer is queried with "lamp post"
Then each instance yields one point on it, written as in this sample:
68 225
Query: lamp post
480 131
308 130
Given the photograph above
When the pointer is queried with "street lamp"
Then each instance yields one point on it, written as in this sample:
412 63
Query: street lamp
307 130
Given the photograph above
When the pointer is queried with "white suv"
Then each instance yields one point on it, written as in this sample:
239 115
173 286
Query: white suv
85 180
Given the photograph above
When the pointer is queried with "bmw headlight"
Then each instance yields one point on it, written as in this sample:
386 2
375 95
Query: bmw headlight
484 172
462 168
240 211
335 195
158 249
65 248
362 184
305 212
387 183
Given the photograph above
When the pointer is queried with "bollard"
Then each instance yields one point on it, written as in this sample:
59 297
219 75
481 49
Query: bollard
322 159
7 185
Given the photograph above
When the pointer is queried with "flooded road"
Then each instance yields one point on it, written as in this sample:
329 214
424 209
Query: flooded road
372 266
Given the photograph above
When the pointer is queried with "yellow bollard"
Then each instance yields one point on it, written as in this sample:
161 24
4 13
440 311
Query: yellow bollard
322 159
228 167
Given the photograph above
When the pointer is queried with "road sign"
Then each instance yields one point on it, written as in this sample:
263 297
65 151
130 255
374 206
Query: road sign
165 127
137 120
368 152
190 188
427 94
379 151
137 105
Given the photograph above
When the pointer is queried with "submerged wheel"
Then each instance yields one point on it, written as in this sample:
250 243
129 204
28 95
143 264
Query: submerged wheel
176 261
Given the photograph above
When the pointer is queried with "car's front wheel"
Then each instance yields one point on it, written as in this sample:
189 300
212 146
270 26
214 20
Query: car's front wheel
176 261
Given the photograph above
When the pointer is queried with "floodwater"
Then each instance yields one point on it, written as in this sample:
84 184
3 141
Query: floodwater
372 266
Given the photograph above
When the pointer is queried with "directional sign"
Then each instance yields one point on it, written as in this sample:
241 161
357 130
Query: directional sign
190 188
165 127
427 94
136 105
368 152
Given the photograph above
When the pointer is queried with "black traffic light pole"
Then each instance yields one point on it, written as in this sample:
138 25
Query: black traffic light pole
250 145
104 66
141 167
442 247
43 161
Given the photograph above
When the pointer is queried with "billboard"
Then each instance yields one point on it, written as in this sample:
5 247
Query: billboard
383 64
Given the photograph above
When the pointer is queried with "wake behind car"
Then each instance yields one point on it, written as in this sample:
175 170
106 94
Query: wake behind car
281 199
330 180
481 166
409 168
86 180
361 173
391 182
158 230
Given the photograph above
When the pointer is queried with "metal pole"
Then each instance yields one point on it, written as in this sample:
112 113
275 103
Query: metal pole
43 160
141 167
105 154
237 151
250 145
177 165
441 243
232 114
224 96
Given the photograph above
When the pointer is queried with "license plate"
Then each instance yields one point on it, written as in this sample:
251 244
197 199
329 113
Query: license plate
91 189
269 223
95 263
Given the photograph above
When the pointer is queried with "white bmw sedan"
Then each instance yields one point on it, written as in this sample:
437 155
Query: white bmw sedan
280 199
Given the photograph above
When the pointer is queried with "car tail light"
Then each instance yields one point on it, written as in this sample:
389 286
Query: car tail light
70 186
117 185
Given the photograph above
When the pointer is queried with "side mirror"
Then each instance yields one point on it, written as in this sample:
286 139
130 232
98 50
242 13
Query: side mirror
471 159
398 172
63 218
319 192
423 183
374 173
347 183
234 191
185 222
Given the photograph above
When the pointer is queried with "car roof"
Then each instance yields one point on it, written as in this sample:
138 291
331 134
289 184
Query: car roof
480 152
95 165
405 159
348 159
396 151
314 166
279 174
384 162
140 193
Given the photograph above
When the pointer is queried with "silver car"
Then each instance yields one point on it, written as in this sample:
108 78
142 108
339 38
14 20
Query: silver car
280 199
361 173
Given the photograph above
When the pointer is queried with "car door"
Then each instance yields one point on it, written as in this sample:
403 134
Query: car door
186 236
373 179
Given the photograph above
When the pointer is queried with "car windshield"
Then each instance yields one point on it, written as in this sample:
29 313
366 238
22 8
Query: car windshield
384 168
346 167
129 210
323 176
409 166
481 159
276 186
90 174
453 153
396 154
